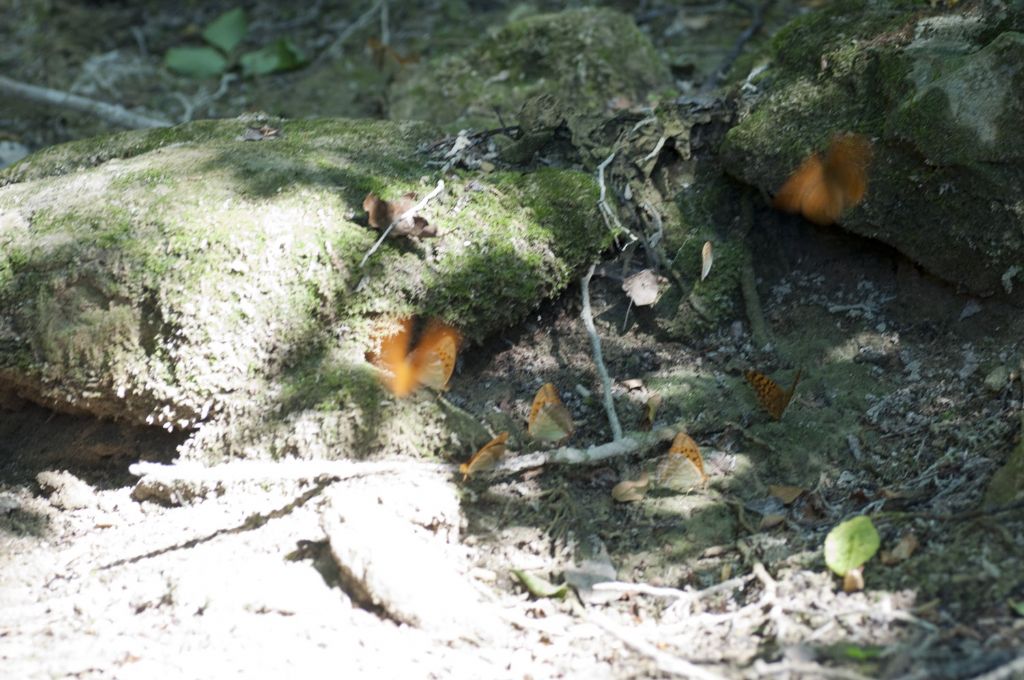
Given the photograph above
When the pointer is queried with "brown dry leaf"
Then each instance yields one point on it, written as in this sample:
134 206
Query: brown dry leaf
381 214
253 134
707 256
630 491
903 550
853 582
785 493
771 521
642 287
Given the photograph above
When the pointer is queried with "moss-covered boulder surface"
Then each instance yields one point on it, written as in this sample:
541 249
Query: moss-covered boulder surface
183 277
586 57
941 93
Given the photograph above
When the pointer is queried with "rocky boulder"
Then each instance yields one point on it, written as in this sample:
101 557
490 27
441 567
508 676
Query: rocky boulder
208 276
589 58
941 93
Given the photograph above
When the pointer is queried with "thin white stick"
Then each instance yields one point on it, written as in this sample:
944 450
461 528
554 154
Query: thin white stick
595 346
653 591
108 112
363 19
665 662
408 214
611 220
657 149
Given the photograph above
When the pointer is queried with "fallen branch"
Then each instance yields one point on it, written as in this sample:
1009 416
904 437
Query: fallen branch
567 455
249 470
408 214
65 100
595 346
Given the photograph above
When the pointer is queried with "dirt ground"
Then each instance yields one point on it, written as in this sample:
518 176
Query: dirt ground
910 399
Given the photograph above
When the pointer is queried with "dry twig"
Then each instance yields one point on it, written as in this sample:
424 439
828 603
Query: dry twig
359 23
108 112
595 346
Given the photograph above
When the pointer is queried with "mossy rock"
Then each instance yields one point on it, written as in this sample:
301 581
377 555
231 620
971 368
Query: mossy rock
586 57
181 276
941 92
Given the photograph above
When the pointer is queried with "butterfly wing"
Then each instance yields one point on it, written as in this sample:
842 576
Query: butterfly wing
768 393
804 185
685 445
486 458
549 419
552 424
433 360
772 397
846 167
545 395
821 189
397 374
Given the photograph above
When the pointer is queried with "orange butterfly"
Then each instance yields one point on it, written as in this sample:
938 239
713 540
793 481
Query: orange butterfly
430 364
822 188
772 397
684 451
550 420
486 458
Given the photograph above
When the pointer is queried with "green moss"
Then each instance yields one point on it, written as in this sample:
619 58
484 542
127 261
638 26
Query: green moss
220 279
584 56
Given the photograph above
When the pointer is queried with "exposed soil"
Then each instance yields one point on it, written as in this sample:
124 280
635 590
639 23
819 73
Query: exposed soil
910 399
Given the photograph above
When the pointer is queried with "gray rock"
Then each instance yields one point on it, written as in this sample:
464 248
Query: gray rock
940 92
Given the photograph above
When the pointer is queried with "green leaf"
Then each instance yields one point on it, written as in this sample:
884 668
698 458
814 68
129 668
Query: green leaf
1017 607
858 653
539 587
227 30
851 544
280 55
196 62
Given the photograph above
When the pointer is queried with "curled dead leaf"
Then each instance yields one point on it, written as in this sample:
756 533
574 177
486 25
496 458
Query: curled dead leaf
631 491
785 493
643 287
853 582
707 257
904 549
381 214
